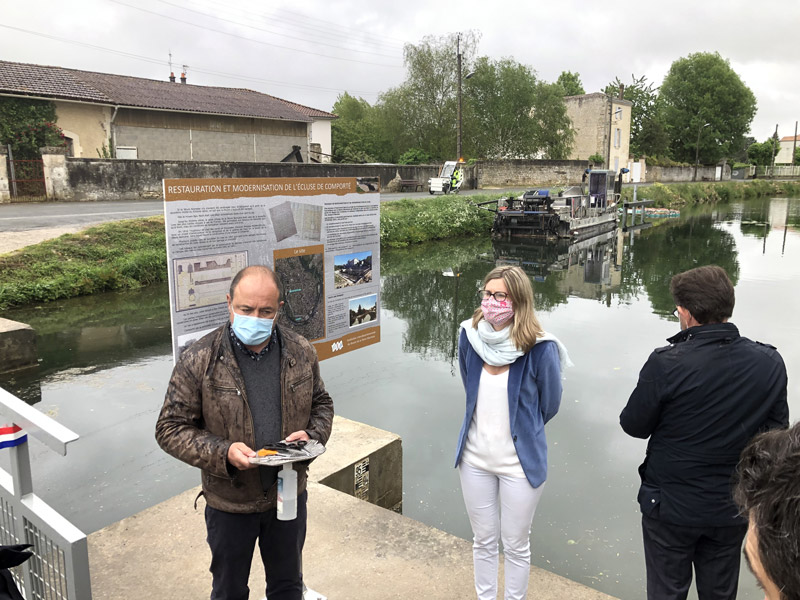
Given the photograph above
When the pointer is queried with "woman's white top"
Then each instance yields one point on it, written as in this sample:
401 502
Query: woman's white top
489 445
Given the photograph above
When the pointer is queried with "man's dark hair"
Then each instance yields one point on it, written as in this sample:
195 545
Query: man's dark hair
706 292
768 492
256 269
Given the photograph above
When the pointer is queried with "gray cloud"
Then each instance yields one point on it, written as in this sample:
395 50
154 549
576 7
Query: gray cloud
598 41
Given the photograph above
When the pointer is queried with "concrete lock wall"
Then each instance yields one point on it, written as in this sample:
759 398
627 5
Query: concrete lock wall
17 346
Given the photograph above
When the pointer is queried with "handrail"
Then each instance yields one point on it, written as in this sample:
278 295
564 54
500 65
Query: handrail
59 566
48 431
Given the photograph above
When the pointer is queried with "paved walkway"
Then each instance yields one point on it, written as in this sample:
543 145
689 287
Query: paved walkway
354 550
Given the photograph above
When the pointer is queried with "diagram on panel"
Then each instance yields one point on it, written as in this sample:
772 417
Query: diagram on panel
204 280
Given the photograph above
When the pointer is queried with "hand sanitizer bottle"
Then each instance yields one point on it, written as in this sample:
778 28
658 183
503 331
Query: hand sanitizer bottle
287 493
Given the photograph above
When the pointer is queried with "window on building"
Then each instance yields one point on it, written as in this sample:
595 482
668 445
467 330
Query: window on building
618 113
617 137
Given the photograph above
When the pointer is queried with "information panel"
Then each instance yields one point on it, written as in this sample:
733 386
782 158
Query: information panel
320 235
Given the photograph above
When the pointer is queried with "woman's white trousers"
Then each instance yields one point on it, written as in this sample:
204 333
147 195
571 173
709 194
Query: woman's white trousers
499 508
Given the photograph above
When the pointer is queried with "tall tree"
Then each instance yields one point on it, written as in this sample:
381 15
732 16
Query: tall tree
499 99
510 114
763 154
708 108
356 135
555 134
571 83
648 133
422 112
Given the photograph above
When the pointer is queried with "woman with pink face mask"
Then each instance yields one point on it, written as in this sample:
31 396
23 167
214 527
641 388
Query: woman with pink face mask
511 370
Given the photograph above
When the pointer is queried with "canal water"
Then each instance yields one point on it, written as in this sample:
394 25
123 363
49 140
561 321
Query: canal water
105 362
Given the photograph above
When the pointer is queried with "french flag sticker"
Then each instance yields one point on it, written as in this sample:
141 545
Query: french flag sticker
12 435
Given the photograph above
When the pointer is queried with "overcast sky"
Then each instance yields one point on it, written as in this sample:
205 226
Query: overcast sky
311 51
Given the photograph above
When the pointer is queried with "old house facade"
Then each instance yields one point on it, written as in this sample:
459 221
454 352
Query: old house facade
105 115
786 149
602 126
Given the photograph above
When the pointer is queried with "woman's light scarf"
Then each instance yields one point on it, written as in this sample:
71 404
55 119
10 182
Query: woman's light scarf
496 348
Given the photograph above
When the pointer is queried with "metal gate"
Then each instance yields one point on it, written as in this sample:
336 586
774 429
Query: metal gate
26 178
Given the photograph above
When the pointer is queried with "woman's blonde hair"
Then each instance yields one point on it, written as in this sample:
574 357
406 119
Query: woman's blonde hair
525 327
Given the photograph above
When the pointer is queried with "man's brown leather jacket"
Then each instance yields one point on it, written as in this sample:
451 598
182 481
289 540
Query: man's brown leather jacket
206 410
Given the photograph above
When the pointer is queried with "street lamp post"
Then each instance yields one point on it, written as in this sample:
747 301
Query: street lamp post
697 150
458 123
458 142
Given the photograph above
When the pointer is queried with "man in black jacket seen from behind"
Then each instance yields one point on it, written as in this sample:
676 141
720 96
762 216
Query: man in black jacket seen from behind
700 400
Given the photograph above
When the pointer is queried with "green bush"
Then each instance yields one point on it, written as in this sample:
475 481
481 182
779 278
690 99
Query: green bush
409 221
415 156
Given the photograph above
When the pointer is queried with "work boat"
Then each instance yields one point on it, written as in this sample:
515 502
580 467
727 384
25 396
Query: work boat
574 213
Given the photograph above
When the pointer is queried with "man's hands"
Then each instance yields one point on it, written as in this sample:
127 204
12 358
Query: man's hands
239 453
297 435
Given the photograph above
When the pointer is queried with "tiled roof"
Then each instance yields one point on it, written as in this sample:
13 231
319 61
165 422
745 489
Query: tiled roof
314 113
122 90
790 138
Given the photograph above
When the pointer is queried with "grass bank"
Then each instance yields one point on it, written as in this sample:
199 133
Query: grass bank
411 221
680 194
113 256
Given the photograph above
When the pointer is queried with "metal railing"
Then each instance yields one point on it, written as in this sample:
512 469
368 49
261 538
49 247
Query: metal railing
59 567
783 171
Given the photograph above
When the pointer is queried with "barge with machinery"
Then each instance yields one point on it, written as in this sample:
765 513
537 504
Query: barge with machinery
577 212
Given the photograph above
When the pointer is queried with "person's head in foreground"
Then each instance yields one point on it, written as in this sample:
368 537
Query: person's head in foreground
768 493
703 295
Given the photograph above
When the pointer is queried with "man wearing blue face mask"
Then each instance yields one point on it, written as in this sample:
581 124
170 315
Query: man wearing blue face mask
247 384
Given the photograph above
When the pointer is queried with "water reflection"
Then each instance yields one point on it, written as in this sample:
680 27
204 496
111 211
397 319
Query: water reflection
92 333
612 266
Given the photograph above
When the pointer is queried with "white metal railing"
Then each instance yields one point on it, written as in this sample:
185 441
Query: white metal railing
59 567
784 171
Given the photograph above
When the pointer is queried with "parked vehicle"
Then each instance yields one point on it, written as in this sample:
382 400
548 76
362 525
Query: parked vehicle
450 178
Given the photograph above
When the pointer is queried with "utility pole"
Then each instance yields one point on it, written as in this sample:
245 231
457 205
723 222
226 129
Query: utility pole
794 143
458 55
775 143
697 150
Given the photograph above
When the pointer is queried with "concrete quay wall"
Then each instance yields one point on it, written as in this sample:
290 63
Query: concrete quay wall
355 550
17 346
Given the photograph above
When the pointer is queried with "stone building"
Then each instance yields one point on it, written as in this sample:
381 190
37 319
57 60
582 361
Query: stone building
787 147
602 126
104 115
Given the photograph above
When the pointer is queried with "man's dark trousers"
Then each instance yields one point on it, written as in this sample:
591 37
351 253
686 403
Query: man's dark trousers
232 538
671 550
